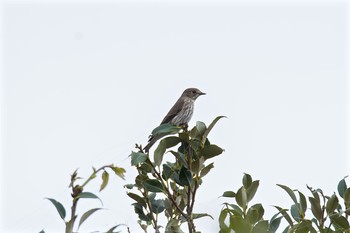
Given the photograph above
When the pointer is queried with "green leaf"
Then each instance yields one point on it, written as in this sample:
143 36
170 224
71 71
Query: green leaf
304 227
210 151
225 230
255 213
247 180
222 217
342 187
285 215
229 194
42 231
169 207
252 190
239 225
290 192
185 177
316 208
129 186
180 157
163 145
260 210
157 206
145 168
140 180
171 141
153 186
206 169
59 207
89 195
288 229
184 136
347 211
119 171
159 152
197 165
201 127
332 204
314 193
241 198
340 221
201 215
166 129
347 196
86 215
105 178
139 211
167 172
261 227
294 210
111 230
138 199
137 158
275 223
303 203
194 133
237 209
173 227
210 127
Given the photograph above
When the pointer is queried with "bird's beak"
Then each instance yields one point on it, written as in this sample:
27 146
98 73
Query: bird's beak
202 93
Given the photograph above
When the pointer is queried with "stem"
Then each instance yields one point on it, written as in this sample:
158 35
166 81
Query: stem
194 194
149 205
189 209
167 192
93 175
154 221
190 201
323 211
76 191
70 224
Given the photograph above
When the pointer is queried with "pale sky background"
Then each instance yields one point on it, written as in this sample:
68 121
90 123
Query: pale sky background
83 82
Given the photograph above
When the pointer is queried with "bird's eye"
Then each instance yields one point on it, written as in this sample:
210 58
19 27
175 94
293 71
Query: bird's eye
193 92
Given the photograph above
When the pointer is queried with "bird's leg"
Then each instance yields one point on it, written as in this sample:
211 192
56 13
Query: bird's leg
184 127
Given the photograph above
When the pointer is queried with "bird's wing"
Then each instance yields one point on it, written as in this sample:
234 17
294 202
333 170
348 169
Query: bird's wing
173 111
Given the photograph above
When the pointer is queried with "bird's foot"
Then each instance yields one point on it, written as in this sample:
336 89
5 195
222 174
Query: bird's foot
184 127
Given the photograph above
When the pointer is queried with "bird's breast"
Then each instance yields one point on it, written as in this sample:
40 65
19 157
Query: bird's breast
185 114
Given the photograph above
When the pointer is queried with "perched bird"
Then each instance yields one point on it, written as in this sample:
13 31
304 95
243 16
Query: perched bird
180 114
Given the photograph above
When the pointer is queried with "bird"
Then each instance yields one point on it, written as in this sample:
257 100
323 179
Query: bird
180 114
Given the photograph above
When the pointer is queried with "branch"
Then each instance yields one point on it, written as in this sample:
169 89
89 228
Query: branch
168 194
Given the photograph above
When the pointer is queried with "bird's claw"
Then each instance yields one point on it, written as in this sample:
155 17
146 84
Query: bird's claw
184 127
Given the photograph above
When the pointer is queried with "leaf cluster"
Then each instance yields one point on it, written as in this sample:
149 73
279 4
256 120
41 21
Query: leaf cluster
78 194
240 216
330 214
169 189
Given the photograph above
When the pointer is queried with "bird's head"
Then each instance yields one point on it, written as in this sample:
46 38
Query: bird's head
192 93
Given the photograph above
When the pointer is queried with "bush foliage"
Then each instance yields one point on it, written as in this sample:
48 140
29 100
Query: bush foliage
164 193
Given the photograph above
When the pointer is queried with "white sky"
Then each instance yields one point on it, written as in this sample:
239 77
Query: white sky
81 83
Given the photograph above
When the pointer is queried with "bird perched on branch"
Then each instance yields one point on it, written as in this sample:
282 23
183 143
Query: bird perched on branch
180 114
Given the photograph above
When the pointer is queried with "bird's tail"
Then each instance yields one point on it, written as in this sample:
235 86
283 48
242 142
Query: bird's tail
153 139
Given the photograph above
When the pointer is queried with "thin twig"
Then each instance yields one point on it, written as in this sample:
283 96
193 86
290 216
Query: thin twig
168 193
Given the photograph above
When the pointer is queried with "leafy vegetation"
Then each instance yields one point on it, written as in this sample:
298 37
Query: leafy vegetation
164 192
169 188
328 214
78 193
